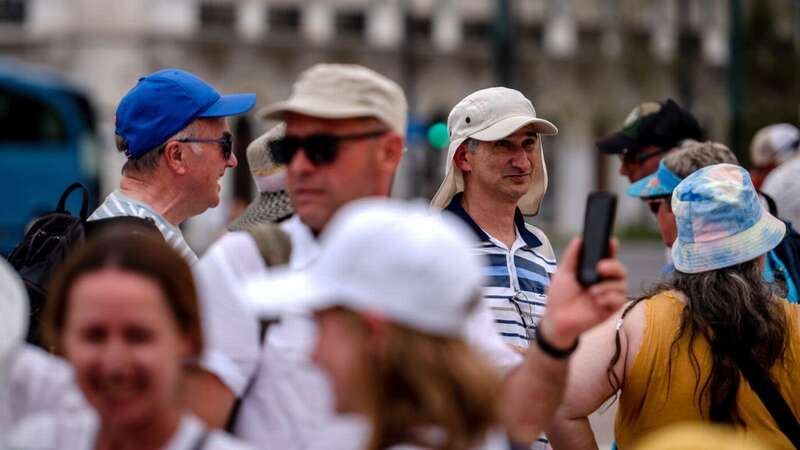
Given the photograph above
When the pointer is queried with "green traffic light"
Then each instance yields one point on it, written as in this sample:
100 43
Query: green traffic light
437 135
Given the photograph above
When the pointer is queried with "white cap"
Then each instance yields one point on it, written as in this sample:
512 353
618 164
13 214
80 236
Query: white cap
489 115
13 319
343 91
774 144
401 260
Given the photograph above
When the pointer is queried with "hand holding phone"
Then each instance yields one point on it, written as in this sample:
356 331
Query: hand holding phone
598 223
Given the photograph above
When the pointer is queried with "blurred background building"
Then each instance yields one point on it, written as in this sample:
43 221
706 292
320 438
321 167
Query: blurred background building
584 63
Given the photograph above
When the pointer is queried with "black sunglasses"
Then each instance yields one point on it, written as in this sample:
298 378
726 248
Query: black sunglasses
320 149
640 157
226 143
655 204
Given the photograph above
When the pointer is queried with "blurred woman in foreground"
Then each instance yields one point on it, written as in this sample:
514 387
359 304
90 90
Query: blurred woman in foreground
676 354
123 311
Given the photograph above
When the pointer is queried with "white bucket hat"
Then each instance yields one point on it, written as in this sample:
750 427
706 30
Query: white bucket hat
488 115
774 144
398 259
343 91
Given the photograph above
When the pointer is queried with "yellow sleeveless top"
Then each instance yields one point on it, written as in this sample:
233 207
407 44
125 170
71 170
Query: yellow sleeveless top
649 401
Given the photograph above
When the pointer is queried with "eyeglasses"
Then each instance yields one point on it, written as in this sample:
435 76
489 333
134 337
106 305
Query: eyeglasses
515 300
226 143
320 149
640 157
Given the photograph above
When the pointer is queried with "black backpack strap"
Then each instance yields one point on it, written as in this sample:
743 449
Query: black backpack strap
772 399
62 202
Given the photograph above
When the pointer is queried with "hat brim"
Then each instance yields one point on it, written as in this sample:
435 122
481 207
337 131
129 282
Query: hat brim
321 109
278 111
616 143
230 105
284 291
649 187
698 257
509 125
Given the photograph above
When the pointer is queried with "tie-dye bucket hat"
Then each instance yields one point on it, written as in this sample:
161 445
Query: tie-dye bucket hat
720 220
660 183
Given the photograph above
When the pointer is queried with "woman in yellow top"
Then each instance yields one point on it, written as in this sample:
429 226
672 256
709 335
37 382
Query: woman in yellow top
672 356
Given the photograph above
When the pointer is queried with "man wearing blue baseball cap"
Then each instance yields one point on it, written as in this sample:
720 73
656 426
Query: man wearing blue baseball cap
171 126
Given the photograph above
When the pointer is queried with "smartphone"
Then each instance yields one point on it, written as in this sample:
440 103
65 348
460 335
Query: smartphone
601 207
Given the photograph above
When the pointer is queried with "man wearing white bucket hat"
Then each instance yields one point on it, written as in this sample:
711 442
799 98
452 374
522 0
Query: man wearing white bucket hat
495 175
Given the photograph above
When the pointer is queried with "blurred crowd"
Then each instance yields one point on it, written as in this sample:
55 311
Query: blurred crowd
332 317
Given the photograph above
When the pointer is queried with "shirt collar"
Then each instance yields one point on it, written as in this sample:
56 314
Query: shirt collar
455 207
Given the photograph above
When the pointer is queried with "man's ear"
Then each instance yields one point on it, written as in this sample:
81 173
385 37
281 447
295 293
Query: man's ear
391 151
175 157
463 159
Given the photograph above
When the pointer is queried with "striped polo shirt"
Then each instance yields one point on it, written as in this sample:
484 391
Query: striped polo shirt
516 278
118 204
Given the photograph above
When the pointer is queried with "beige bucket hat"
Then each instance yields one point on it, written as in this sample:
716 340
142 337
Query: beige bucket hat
488 115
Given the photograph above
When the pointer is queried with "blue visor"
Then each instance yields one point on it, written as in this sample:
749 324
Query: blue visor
658 184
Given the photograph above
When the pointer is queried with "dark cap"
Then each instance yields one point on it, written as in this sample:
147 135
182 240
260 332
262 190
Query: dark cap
662 125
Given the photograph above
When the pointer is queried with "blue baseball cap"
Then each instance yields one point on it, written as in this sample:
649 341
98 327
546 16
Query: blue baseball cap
165 102
660 183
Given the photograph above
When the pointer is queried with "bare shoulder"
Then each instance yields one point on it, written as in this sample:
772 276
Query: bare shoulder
632 330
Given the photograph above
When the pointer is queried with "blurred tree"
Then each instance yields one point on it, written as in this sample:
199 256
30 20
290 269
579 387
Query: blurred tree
771 74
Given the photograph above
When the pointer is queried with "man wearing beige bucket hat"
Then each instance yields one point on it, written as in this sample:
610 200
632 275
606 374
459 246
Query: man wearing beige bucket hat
495 175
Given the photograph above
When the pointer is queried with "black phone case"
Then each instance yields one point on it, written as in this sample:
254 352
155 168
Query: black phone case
598 224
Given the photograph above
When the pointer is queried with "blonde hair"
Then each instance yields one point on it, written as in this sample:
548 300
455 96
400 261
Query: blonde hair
432 391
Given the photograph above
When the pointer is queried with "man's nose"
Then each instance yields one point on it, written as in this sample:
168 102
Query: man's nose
300 164
232 162
521 160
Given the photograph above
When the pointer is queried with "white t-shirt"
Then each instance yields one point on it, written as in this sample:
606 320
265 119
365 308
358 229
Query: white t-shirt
40 382
230 331
290 404
79 431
